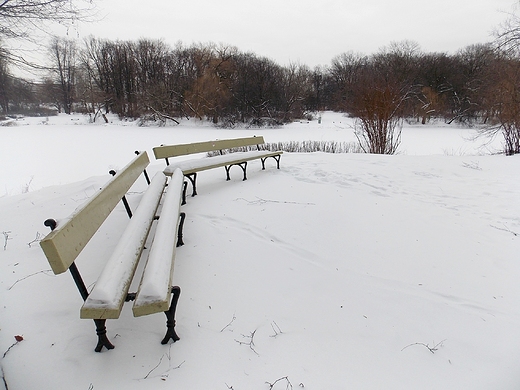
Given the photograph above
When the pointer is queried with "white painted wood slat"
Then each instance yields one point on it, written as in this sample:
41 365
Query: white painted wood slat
108 295
65 243
154 291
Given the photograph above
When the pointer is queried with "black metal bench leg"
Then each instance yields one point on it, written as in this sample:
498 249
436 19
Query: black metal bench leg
228 167
180 242
242 165
101 331
277 158
184 187
170 316
193 179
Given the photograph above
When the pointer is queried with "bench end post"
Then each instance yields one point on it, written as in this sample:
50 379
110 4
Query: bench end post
101 332
170 317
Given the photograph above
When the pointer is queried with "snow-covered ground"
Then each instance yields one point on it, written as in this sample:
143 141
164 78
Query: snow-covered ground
58 150
338 271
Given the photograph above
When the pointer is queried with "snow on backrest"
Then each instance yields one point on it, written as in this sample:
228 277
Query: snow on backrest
66 242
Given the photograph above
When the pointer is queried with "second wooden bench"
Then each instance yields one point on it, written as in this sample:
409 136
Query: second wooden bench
226 158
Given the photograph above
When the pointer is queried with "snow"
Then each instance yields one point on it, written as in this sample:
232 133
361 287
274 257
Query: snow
336 271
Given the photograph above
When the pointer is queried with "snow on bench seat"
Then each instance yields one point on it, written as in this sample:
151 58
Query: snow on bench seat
201 164
154 291
110 291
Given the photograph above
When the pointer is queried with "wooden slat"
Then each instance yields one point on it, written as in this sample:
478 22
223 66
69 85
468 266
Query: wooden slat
66 242
108 295
206 146
153 295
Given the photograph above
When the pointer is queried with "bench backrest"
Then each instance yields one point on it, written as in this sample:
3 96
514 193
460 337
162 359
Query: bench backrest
68 239
167 151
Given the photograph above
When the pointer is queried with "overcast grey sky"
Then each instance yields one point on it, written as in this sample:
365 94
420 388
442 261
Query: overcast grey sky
310 32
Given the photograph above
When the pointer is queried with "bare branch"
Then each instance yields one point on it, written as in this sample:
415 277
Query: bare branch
19 18
6 238
505 229
46 272
288 384
228 325
433 349
251 341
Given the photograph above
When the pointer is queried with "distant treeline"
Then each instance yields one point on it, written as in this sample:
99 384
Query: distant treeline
151 80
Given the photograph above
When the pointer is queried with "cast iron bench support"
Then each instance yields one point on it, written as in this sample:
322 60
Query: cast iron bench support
101 329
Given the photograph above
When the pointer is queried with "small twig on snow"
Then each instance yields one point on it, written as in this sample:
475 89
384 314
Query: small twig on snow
164 375
288 383
228 325
506 229
38 238
18 340
264 201
45 271
433 349
276 329
6 238
153 369
3 378
2 373
251 341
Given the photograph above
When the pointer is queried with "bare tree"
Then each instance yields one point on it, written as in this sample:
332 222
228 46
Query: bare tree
19 18
380 93
377 109
507 35
505 97
296 81
344 73
505 93
5 80
63 54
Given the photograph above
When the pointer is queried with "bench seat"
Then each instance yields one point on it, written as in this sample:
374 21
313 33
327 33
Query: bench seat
109 293
196 165
155 287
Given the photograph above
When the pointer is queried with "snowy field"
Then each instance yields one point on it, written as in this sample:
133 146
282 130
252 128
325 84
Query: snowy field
338 271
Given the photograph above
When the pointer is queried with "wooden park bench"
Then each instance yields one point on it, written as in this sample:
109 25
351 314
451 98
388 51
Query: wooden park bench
70 236
226 158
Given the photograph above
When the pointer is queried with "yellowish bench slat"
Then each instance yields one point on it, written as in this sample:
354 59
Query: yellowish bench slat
64 243
206 146
109 293
153 295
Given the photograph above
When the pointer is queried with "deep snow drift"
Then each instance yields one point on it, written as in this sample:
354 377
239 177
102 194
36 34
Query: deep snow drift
336 271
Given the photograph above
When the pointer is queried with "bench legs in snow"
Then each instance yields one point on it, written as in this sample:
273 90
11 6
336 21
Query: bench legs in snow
193 179
170 317
180 242
242 165
101 332
277 158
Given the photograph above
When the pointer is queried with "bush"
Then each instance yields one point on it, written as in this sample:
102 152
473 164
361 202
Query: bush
300 147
